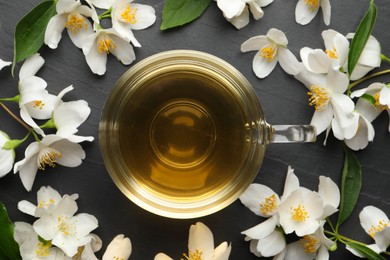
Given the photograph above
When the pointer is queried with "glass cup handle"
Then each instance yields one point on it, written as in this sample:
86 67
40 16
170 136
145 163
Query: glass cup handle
292 133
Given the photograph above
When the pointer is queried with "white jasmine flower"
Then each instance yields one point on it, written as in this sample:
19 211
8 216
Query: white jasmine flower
330 194
4 63
51 150
369 59
373 100
306 10
301 212
68 116
31 247
119 248
326 95
7 155
336 49
71 14
35 101
201 245
237 11
64 229
47 198
128 16
376 224
313 246
103 42
89 250
271 48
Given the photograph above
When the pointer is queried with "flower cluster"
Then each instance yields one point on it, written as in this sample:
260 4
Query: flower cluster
201 246
96 42
323 72
298 211
38 105
60 234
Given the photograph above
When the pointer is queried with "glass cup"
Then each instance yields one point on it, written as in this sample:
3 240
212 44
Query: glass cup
183 134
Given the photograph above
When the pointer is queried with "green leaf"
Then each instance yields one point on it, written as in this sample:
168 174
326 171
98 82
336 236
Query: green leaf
369 99
179 12
365 251
362 34
351 183
30 30
9 249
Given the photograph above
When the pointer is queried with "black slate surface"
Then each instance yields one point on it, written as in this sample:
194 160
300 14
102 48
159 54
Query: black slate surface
283 98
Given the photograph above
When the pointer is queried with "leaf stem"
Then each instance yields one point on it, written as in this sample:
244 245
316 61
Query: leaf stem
13 99
385 58
331 225
357 82
342 238
106 14
15 117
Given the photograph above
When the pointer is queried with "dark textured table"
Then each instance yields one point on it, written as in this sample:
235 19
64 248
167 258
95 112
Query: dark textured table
283 98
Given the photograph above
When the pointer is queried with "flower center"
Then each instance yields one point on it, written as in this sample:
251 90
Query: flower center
312 4
309 244
44 204
64 226
75 23
269 205
381 225
43 249
299 214
38 104
332 53
196 255
106 44
318 97
268 52
129 15
48 157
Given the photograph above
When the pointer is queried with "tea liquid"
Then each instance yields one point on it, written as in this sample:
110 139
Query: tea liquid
184 136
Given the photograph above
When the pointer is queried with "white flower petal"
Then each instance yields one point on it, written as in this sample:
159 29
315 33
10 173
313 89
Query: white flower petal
7 158
371 53
72 153
360 71
31 66
65 207
255 196
341 44
85 224
330 194
303 14
309 78
78 38
323 253
201 238
162 256
4 63
277 36
71 114
288 61
322 119
291 183
264 3
46 227
337 81
222 251
27 207
272 244
96 60
367 109
241 20
254 43
145 16
28 119
66 6
44 110
256 10
66 243
54 30
231 8
326 11
27 171
373 247
262 67
22 232
370 217
364 134
384 97
296 251
342 108
382 239
261 230
123 51
317 61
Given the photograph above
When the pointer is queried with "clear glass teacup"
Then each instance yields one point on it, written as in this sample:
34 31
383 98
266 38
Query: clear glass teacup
183 134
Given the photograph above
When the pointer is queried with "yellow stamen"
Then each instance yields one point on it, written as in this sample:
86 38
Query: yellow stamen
309 244
106 45
75 23
312 4
48 157
129 15
65 226
318 97
197 255
43 203
381 225
332 53
43 249
268 52
299 214
269 205
38 104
